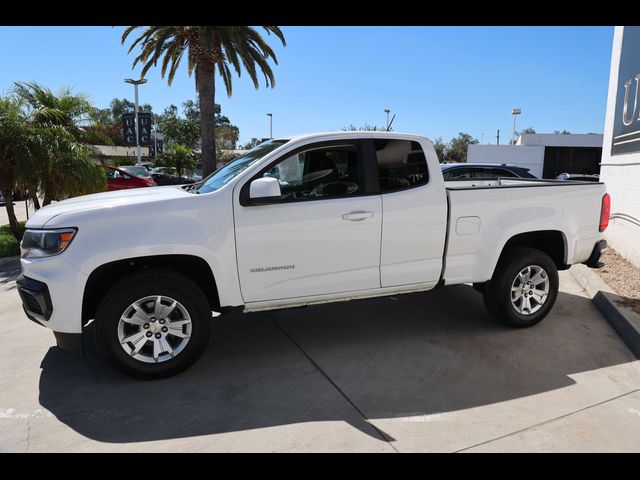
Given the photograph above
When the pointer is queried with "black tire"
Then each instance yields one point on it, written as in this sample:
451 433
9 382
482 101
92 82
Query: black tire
497 294
151 283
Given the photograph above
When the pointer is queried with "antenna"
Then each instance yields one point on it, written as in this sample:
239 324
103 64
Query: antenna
389 126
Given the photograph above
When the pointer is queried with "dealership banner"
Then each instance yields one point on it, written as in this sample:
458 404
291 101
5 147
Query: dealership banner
144 128
626 123
156 147
129 130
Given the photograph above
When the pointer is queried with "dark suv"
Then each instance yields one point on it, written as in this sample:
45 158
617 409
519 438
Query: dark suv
464 171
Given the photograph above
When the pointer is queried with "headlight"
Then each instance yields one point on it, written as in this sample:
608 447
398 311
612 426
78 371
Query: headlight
45 243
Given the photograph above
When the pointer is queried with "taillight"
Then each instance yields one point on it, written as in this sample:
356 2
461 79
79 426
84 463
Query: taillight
605 211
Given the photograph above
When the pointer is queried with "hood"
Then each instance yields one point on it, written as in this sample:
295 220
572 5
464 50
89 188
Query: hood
96 201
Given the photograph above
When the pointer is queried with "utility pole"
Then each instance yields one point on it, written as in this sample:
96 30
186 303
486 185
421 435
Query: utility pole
498 137
270 115
387 111
135 84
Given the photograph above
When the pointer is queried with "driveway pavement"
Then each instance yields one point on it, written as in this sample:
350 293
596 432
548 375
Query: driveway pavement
426 372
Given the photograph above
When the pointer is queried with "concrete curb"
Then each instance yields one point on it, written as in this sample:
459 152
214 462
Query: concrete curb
9 263
624 321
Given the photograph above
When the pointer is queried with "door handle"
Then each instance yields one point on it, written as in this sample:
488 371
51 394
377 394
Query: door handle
357 216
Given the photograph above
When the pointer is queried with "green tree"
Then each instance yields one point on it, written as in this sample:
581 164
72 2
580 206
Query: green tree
440 148
457 148
104 134
563 132
61 164
180 157
254 142
186 130
120 106
179 130
527 130
106 125
210 50
366 128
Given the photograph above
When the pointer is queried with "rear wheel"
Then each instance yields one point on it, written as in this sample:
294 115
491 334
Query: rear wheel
523 289
153 324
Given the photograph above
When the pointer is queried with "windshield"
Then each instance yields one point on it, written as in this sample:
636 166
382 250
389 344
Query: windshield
221 177
136 171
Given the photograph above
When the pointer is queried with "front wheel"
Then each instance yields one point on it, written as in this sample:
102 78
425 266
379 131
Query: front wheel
153 324
523 289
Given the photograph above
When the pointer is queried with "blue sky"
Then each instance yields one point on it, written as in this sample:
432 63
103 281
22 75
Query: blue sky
437 80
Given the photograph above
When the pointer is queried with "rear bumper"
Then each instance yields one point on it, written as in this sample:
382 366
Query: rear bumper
594 259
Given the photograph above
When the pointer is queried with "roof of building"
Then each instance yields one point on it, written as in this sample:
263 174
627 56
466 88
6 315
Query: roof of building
561 140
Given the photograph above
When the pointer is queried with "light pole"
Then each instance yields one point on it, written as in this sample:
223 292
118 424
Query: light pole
135 84
514 112
270 115
386 110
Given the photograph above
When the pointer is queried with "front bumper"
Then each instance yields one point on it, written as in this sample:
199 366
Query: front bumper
51 290
36 303
36 300
594 259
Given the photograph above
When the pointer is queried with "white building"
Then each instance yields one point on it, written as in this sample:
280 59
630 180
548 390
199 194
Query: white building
116 151
545 155
621 151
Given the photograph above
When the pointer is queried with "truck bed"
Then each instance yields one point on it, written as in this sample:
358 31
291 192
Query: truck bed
483 214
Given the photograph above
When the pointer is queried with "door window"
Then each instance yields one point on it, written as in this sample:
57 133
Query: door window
324 172
458 174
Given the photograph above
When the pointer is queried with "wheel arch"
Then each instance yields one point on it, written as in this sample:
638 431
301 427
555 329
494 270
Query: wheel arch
551 242
102 277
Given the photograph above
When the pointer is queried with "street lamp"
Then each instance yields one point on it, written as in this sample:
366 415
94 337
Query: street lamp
514 112
386 110
270 115
135 84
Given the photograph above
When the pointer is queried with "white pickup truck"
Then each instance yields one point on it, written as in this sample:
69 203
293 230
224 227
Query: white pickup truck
297 221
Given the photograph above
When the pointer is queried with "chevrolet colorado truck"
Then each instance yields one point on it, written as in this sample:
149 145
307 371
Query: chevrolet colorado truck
297 221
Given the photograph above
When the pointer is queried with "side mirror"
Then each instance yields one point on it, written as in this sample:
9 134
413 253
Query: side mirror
264 191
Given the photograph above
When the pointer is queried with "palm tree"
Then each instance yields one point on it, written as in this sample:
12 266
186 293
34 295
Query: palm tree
208 49
15 135
180 157
60 163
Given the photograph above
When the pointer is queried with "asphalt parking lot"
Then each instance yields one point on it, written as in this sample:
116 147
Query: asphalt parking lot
426 372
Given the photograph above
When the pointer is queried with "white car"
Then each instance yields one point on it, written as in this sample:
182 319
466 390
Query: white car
297 221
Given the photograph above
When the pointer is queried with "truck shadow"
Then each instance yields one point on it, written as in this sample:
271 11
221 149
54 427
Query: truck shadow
416 354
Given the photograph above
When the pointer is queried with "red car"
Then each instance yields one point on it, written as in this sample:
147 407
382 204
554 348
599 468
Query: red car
118 179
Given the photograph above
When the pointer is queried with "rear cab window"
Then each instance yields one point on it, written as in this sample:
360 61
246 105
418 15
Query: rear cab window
401 164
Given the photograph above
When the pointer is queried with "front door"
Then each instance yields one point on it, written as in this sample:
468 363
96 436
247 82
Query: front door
324 235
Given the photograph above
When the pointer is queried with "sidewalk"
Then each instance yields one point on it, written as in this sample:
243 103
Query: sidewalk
20 209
